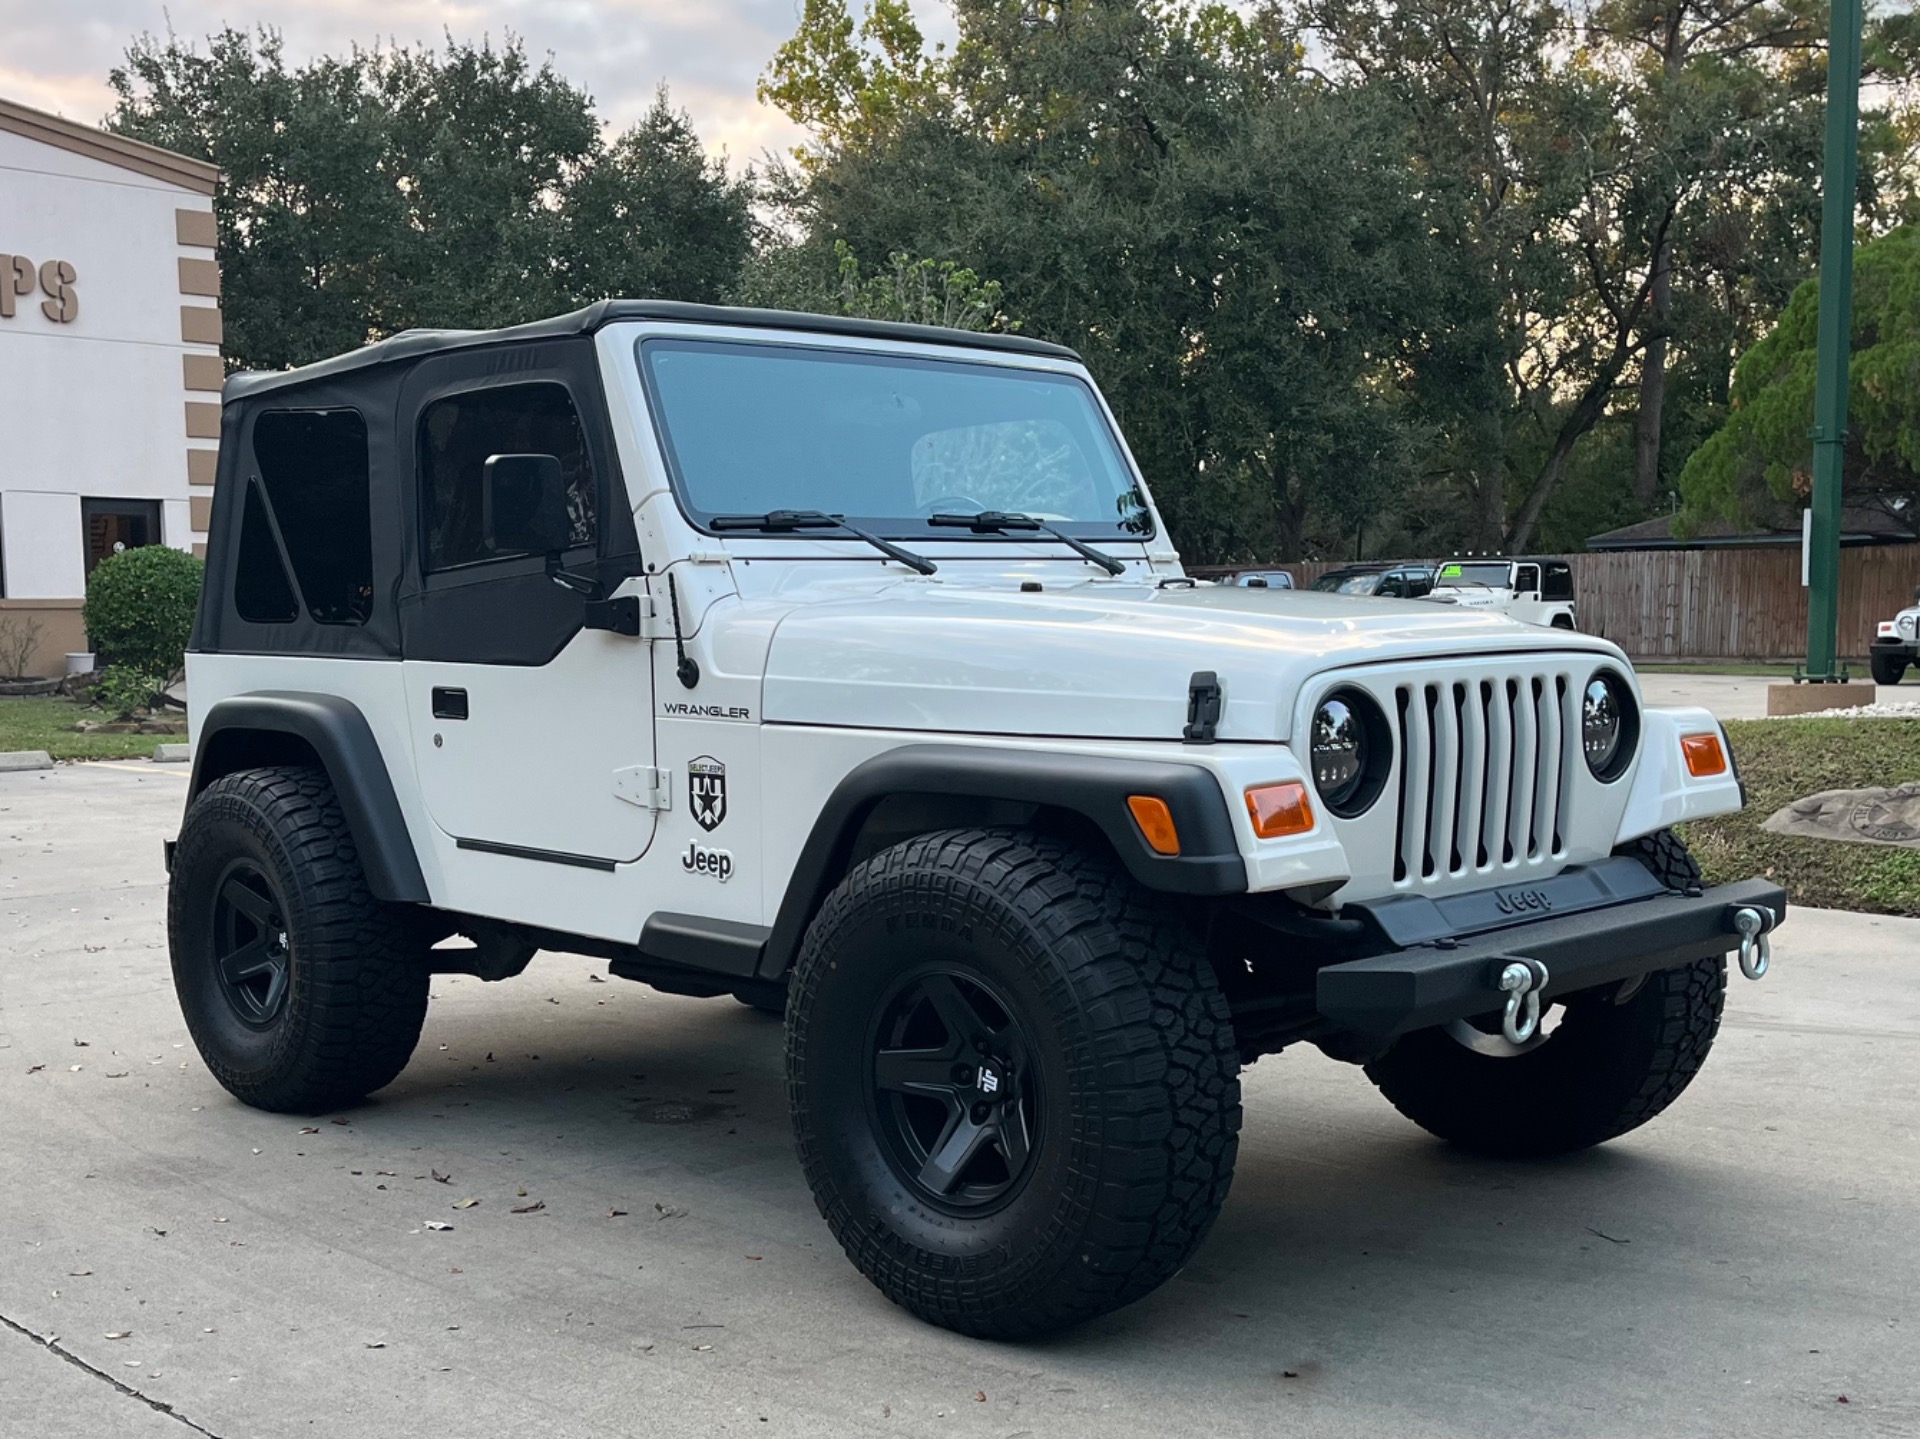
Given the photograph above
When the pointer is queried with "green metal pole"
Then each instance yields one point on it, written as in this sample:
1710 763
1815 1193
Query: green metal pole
1836 337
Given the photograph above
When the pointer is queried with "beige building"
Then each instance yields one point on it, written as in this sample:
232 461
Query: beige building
109 362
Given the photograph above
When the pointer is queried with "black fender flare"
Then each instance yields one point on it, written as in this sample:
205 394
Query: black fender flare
337 733
1095 786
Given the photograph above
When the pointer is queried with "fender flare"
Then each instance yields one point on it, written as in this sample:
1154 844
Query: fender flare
339 736
1094 786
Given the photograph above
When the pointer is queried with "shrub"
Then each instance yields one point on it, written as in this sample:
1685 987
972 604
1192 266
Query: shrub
140 606
122 689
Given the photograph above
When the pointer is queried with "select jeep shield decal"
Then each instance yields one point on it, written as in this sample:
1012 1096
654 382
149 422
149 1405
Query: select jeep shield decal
707 791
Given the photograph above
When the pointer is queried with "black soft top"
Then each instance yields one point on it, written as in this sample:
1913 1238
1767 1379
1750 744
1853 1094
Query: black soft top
415 344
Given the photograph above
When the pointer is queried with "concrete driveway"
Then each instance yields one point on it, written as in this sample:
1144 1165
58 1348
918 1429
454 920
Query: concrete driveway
172 1263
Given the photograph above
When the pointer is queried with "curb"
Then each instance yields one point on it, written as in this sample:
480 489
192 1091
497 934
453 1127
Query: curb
21 759
172 753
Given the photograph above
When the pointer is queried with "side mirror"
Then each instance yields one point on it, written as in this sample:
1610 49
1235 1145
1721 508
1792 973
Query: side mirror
523 505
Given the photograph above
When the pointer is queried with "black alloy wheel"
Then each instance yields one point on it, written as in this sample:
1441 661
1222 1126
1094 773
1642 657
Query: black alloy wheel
250 947
956 1100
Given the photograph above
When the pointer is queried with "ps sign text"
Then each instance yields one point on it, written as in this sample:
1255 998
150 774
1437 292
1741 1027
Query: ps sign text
54 279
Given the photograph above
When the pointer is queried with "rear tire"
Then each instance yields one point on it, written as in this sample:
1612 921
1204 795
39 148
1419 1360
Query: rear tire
1619 1057
301 991
1887 669
1033 992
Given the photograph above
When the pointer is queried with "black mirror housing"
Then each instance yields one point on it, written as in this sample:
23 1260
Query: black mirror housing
523 508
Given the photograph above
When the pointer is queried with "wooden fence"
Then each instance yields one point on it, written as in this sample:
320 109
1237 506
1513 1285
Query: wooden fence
1729 604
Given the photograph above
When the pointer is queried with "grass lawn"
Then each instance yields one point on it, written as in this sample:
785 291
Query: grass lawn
1774 672
1785 760
48 724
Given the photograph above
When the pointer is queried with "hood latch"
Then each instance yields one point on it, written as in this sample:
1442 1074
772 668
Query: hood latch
1204 698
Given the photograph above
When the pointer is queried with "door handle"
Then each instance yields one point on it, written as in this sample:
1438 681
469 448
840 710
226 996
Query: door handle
449 704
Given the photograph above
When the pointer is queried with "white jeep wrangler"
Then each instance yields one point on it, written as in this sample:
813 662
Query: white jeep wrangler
1535 591
1896 645
846 668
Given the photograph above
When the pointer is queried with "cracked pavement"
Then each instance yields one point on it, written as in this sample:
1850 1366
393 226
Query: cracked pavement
1735 1267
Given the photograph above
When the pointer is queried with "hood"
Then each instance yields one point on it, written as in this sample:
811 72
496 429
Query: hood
1098 660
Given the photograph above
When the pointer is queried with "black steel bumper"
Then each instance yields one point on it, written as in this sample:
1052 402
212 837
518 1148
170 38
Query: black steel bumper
1454 977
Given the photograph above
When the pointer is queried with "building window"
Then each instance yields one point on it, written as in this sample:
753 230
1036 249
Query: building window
115 525
458 433
314 466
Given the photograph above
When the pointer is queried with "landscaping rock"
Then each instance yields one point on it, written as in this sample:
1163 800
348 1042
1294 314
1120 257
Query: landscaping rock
1856 816
25 759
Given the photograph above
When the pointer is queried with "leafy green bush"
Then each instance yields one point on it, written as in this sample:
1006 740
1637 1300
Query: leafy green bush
140 606
126 688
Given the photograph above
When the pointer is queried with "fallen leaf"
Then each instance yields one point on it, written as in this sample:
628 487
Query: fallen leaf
755 1258
465 1203
979 1396
78 1273
616 1214
73 1069
1843 1399
703 1348
1289 1374
81 1044
121 1075
377 1344
309 1129
339 1121
438 1224
595 979
668 1211
256 1151
438 1177
121 1334
161 1232
36 1069
521 1192
1608 1237
219 1219
93 948
533 1208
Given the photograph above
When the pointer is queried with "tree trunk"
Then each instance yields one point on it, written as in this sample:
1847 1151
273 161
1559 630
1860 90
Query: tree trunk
1585 415
1653 381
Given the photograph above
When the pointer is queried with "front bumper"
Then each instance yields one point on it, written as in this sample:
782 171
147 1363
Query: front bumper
1454 975
1892 646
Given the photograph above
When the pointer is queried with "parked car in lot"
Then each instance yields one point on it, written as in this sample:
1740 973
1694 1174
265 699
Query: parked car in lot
1536 591
847 668
1399 582
1896 644
1264 579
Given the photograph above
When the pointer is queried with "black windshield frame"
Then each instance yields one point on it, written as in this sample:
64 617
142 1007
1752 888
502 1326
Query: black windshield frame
1140 526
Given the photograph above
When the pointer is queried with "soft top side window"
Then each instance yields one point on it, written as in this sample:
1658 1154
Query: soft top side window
312 490
457 435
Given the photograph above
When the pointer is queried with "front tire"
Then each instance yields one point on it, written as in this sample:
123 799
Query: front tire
1620 1056
1887 669
1013 1079
301 991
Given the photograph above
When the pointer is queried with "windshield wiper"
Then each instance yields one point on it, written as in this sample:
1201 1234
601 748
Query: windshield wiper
786 522
990 522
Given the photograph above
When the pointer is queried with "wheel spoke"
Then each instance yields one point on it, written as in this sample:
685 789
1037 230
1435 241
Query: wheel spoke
961 1019
1010 1133
953 1154
248 901
250 960
916 1071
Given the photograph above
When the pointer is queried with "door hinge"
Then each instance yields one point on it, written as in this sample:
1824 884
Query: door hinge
636 615
645 786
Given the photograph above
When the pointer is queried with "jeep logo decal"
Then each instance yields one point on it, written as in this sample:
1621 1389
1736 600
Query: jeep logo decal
1522 901
707 791
714 863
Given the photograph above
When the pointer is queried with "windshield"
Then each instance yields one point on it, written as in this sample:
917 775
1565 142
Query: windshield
1493 576
887 441
1340 584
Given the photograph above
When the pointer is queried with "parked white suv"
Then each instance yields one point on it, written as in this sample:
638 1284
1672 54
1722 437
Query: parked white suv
1536 591
847 668
1896 644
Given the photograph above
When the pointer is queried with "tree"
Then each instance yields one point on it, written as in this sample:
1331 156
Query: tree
402 187
1757 468
909 291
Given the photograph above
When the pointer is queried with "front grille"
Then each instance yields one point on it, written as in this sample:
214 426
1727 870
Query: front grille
1483 773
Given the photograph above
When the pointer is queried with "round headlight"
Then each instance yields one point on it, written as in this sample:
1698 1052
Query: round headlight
1348 749
1608 725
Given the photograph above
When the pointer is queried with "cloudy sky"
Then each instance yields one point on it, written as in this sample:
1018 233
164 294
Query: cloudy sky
55 54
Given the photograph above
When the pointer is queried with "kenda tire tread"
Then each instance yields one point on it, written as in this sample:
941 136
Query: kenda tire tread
1135 1019
358 972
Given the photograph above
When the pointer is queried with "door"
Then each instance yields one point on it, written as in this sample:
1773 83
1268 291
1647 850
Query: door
532 735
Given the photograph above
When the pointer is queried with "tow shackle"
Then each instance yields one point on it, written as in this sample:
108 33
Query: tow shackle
1521 980
1754 923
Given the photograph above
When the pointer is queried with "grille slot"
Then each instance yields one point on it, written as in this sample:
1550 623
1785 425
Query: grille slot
1483 774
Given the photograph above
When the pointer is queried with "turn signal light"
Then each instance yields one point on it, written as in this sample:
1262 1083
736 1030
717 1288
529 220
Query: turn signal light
1705 756
1150 812
1279 810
